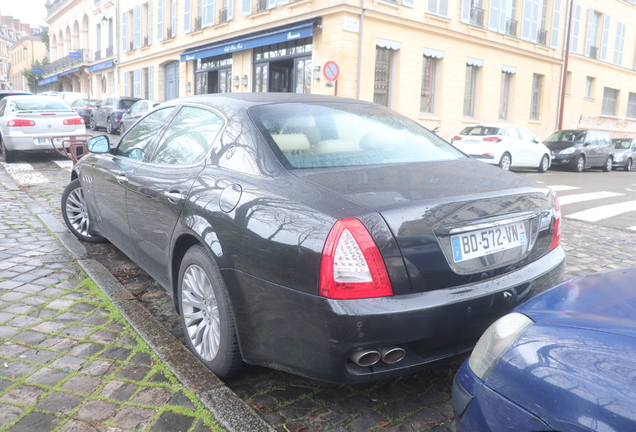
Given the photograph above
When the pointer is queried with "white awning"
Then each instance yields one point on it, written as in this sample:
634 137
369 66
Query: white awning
474 62
508 69
385 43
428 52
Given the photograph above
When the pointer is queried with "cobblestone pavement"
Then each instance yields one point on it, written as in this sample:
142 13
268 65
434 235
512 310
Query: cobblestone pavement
68 360
418 402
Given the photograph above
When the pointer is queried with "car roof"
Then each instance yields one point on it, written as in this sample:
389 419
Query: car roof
248 100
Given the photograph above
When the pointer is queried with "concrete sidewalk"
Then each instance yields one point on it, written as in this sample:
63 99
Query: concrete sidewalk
79 353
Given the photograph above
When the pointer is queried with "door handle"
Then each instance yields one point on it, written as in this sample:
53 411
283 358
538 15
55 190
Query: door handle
174 197
121 179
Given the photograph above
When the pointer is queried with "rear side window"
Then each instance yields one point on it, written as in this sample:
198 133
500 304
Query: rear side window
480 130
317 135
125 103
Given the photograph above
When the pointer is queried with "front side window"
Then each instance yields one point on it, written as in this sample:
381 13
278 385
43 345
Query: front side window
610 100
188 138
336 134
429 84
535 101
135 143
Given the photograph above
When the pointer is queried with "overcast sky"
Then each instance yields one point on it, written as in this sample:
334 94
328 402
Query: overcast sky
27 11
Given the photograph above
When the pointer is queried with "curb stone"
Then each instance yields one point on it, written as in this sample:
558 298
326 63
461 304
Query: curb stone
228 409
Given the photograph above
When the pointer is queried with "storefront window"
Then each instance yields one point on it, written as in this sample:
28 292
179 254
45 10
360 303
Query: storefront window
213 75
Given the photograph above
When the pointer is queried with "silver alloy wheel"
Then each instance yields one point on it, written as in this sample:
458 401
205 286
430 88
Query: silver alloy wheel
580 163
505 162
200 312
545 164
628 165
76 211
608 164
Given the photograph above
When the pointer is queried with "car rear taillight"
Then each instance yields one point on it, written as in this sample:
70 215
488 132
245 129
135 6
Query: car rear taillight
74 121
456 138
87 107
351 266
556 232
20 123
493 139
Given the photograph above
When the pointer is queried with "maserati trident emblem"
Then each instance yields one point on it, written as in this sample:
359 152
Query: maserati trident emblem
49 124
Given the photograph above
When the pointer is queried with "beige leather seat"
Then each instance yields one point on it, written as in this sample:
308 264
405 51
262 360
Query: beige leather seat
335 146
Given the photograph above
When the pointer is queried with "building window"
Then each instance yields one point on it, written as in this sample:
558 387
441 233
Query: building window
438 7
589 87
576 25
591 41
535 101
620 43
383 71
504 97
213 75
429 85
532 20
610 100
473 12
470 91
631 105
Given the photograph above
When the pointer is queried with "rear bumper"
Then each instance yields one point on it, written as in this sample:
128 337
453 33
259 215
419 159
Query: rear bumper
22 142
313 336
478 408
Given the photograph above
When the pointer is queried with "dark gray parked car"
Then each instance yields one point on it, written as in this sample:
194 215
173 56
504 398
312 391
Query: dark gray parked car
107 114
323 236
624 153
134 113
580 149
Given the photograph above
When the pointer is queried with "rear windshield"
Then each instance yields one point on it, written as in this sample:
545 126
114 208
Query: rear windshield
126 103
622 143
343 134
567 136
480 130
37 104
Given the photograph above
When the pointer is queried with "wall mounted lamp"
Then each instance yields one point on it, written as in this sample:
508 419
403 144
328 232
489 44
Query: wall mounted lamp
188 86
244 80
235 81
316 72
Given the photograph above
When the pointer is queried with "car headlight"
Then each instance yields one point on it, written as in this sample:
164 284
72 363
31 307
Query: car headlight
568 150
496 341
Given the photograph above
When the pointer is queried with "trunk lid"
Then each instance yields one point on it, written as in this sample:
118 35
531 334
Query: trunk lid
430 207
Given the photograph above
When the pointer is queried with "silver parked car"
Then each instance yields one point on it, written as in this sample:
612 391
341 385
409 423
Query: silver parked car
624 153
35 123
135 112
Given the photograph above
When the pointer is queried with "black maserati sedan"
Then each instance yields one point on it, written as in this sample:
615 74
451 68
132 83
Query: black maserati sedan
323 236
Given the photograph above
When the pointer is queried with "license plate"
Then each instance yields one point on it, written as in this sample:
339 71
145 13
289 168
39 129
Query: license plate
47 141
473 141
488 241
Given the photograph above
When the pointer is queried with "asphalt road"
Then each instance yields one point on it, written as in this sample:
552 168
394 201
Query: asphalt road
418 402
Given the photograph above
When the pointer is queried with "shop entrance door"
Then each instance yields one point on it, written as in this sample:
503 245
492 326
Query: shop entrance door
280 74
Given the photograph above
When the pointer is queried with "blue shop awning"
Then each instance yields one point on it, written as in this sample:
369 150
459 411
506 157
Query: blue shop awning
69 72
47 80
283 34
101 66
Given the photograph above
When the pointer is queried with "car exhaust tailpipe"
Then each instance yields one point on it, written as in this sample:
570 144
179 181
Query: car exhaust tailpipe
392 355
365 358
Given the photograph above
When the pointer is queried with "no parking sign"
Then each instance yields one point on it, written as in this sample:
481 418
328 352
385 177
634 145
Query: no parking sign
330 70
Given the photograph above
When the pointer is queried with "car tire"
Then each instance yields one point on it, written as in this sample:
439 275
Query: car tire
506 161
206 314
544 164
608 164
122 129
628 165
9 155
75 214
109 126
92 124
580 164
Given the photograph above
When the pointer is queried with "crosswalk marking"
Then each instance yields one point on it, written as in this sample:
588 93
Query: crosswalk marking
632 228
24 174
570 199
603 212
65 164
558 188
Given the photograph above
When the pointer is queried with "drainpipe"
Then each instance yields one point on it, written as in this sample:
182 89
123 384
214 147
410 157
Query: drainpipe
360 49
566 57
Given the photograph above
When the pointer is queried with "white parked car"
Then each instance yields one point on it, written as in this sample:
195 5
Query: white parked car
508 146
34 123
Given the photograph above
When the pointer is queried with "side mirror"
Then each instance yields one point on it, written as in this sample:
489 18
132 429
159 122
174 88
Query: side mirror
98 144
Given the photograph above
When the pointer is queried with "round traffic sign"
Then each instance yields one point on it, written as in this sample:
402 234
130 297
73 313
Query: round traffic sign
330 70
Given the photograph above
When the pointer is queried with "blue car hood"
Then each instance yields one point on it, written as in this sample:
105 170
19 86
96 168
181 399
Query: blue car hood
603 302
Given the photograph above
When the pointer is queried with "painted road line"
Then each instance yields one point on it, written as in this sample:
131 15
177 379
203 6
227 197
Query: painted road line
570 199
632 228
603 212
64 164
558 188
24 174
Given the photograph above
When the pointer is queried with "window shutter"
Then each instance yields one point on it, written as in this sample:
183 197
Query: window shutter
125 83
137 26
605 37
137 83
187 17
124 31
493 16
556 21
271 4
230 9
408 3
465 17
149 23
150 71
208 13
160 32
504 7
537 9
619 44
588 38
526 20
443 7
576 24
173 18
246 8
282 2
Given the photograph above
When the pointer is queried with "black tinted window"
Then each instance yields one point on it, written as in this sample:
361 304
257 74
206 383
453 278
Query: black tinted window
480 130
126 103
135 143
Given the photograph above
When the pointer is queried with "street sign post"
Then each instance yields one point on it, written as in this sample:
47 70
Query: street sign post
330 70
